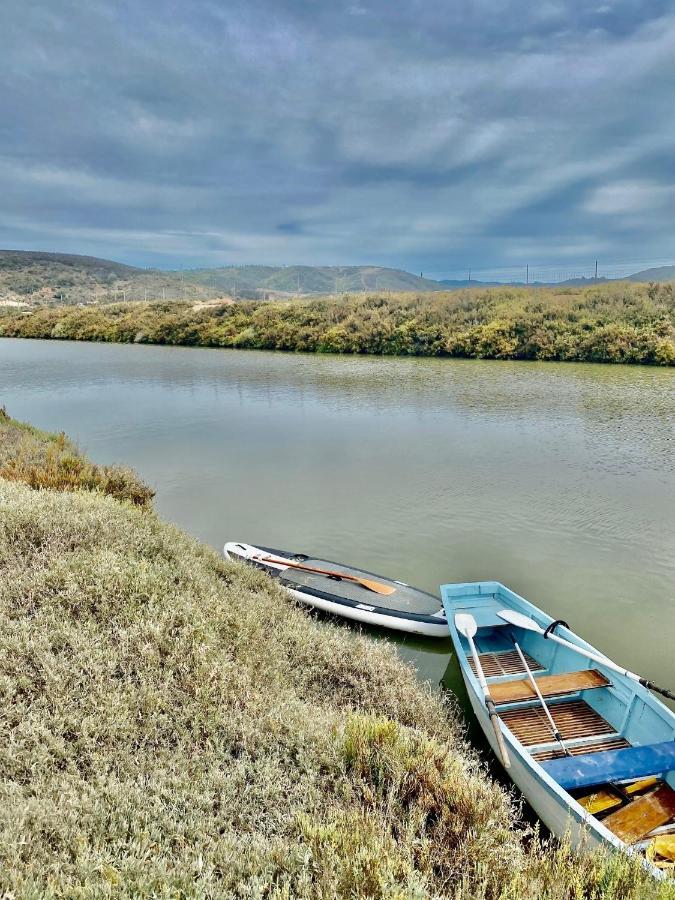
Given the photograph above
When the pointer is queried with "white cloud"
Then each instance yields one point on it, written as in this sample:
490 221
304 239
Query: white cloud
626 197
403 136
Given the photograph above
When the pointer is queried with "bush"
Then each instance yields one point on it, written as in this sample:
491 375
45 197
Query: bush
43 460
619 323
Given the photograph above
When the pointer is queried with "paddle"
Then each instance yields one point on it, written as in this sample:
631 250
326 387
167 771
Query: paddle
374 586
522 621
466 625
535 687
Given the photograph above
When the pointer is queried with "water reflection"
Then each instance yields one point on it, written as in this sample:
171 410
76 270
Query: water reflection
556 479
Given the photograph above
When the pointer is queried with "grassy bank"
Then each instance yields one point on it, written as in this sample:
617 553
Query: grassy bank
44 460
174 726
620 323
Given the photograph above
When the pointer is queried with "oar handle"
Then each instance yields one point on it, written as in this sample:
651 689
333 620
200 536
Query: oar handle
489 702
494 718
653 687
603 661
367 583
295 565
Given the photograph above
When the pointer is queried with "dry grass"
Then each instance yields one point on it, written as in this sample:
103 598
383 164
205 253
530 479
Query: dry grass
172 726
44 460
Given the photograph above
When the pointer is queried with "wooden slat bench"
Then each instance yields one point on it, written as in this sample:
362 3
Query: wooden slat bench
549 685
504 663
574 719
594 747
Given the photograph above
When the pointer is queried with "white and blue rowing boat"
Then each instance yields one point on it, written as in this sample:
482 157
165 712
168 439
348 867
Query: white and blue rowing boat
588 744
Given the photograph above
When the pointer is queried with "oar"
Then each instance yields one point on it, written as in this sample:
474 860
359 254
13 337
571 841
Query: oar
466 625
535 687
522 621
375 586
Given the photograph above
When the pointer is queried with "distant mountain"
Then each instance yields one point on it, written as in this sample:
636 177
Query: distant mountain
30 277
289 280
38 277
452 284
23 259
33 277
662 273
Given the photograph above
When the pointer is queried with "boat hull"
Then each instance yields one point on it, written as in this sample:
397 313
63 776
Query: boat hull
553 811
362 607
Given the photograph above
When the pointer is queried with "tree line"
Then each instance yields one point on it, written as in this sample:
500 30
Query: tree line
617 323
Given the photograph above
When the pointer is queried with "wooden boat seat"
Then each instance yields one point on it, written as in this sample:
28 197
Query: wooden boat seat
612 765
504 663
573 718
549 685
633 822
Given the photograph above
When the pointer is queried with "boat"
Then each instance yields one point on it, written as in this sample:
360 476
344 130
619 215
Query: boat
587 743
348 592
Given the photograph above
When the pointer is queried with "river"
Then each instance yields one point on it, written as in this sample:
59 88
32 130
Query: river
556 479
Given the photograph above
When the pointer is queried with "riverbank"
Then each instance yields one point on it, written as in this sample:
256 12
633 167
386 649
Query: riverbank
178 727
617 323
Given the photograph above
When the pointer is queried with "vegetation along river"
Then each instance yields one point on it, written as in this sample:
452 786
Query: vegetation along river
557 479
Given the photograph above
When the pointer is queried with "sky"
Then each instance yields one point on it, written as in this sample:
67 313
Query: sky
426 136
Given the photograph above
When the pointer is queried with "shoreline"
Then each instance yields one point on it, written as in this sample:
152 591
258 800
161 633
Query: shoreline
618 324
167 706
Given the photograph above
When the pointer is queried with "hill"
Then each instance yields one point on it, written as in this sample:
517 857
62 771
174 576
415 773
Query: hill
661 273
35 278
258 281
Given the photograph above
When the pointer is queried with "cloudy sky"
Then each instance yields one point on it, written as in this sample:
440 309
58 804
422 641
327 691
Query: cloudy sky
430 136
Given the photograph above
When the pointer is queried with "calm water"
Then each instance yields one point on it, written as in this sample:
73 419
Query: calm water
558 480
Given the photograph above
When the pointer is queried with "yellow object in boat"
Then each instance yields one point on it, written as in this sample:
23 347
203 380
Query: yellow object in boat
661 852
599 801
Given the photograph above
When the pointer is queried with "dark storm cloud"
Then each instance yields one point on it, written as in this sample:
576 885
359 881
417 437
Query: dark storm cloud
400 134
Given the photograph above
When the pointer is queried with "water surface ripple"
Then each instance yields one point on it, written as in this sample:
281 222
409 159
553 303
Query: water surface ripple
557 479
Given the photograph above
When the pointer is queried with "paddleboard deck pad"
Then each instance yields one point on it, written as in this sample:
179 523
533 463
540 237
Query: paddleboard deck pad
406 609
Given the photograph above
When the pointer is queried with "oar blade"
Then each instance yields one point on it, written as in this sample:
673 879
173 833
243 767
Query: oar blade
376 586
519 620
466 624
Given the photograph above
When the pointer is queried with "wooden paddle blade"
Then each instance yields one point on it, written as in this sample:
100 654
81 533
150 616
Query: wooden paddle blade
375 586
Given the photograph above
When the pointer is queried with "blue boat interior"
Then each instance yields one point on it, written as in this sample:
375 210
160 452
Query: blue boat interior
618 739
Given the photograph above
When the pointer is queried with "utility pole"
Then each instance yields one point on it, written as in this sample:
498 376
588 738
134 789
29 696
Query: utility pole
596 272
469 275
527 274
